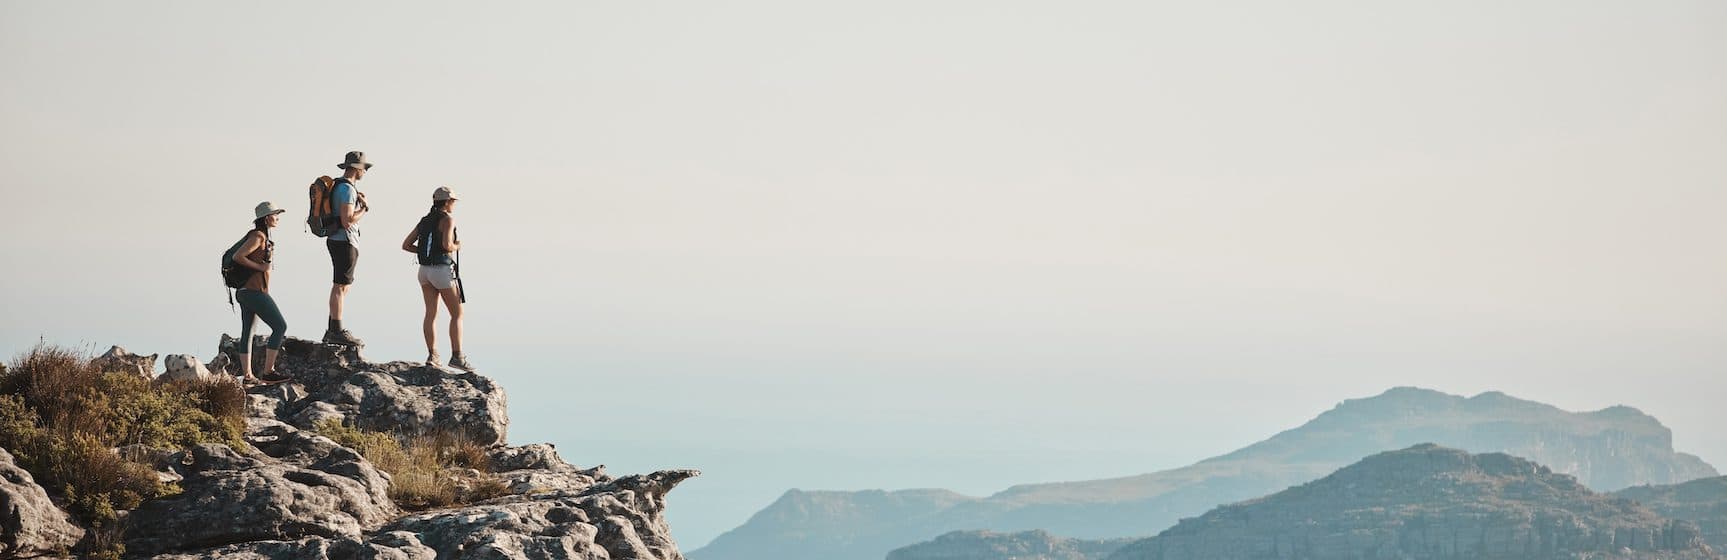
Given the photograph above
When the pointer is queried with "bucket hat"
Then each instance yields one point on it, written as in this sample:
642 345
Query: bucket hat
353 159
266 208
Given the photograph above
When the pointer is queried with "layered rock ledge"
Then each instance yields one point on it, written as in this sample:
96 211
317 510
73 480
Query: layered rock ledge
293 493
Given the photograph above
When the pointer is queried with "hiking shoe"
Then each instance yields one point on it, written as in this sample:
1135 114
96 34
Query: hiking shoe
341 337
432 359
274 378
460 361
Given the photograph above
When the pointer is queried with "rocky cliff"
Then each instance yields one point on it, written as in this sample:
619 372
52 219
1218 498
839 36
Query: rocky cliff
1702 501
1024 545
1434 503
1607 449
293 493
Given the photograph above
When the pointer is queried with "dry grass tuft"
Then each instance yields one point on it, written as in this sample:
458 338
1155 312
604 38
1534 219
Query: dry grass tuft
428 470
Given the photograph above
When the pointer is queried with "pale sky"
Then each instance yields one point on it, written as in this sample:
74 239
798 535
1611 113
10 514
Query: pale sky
894 244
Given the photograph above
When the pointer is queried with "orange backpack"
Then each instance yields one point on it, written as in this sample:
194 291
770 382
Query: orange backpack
321 213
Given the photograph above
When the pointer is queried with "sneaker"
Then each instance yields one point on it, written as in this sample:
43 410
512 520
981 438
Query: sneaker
274 378
341 337
460 361
432 359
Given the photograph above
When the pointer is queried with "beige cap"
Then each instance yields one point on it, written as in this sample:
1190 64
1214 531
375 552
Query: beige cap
266 208
444 193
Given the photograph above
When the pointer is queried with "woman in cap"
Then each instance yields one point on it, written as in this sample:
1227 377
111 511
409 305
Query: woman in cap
432 242
255 253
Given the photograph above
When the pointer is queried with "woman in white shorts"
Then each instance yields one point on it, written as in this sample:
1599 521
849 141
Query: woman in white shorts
432 242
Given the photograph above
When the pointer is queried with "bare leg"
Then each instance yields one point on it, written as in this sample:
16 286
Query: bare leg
337 293
245 365
269 361
430 294
454 303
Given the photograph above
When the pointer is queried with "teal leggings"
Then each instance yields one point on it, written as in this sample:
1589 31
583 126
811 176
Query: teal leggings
256 304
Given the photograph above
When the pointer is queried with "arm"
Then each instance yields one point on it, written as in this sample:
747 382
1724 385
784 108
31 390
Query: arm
447 232
243 256
349 208
349 215
411 243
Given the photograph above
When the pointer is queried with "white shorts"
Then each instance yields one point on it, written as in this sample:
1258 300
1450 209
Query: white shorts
440 276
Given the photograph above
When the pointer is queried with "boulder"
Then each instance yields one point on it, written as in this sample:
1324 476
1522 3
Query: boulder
30 525
410 398
302 485
622 518
222 365
536 468
386 546
532 456
118 359
181 367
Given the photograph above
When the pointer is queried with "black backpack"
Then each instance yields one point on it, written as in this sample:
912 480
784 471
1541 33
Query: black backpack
235 276
426 233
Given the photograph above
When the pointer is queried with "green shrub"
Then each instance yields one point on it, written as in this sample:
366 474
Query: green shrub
62 418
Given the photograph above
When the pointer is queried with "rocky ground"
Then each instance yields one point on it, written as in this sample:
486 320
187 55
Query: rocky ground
296 494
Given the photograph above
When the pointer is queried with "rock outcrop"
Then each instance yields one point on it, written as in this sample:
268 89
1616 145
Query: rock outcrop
335 383
118 359
1434 503
1608 449
300 495
184 367
302 485
1702 501
30 525
1024 545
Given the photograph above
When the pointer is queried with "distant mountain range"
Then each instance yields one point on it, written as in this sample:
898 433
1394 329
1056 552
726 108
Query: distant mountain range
1424 502
1607 449
1429 502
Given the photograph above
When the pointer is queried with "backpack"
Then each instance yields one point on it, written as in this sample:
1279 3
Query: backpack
321 217
431 244
235 276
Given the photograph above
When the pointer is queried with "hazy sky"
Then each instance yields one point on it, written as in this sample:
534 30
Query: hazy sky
909 244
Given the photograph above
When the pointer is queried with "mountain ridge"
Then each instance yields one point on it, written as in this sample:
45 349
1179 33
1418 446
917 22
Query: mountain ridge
1432 502
1612 447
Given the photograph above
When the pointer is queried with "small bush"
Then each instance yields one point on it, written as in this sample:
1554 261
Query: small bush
426 471
62 418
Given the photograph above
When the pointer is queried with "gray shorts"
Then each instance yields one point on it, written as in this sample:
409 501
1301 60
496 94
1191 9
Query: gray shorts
440 276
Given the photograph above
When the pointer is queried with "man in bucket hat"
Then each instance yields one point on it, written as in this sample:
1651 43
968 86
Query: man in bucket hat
344 253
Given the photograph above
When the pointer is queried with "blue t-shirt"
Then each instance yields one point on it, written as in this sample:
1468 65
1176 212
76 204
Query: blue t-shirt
344 194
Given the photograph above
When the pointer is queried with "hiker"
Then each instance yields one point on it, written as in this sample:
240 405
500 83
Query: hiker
350 206
254 254
432 242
